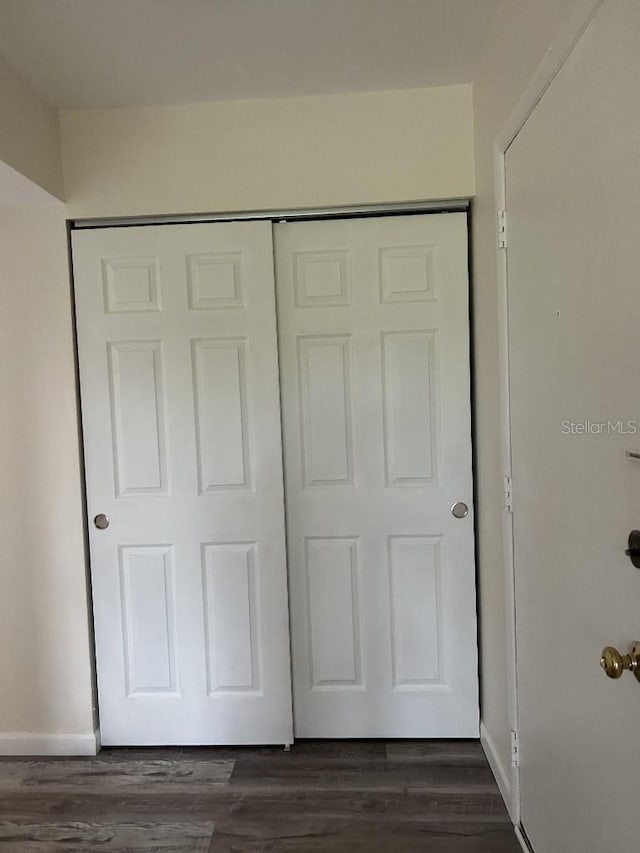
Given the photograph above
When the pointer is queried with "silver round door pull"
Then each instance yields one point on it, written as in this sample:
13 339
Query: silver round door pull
101 521
460 510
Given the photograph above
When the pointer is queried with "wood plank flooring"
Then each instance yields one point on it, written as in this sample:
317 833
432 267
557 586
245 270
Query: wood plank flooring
328 796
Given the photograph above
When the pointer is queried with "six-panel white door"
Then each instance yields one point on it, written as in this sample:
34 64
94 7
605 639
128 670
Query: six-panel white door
182 437
374 355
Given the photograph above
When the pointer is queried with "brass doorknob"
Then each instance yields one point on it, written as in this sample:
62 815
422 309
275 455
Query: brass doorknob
614 663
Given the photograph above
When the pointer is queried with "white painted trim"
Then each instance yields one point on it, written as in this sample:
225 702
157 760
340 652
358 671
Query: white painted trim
555 57
513 803
523 841
39 743
497 767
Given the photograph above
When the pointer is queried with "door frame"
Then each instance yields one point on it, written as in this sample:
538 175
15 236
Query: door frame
559 50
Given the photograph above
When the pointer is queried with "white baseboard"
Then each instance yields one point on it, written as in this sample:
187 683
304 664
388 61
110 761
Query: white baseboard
497 767
37 743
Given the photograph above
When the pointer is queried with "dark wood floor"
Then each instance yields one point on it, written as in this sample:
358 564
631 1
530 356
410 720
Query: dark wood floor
346 796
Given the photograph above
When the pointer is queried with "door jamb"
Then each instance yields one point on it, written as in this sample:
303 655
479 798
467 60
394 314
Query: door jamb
556 55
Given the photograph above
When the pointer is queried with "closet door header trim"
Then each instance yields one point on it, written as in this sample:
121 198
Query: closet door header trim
285 215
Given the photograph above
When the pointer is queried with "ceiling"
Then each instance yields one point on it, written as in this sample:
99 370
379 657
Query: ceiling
105 53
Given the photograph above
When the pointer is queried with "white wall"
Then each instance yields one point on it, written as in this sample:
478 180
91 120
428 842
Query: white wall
29 133
292 152
522 34
45 670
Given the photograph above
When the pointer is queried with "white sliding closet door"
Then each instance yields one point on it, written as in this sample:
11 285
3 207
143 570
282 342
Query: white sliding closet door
180 406
374 353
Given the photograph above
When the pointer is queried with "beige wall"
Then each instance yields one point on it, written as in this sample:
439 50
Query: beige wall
29 134
301 152
293 152
44 642
522 33
380 147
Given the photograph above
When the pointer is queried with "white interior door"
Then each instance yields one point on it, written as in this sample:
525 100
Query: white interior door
179 385
374 355
573 206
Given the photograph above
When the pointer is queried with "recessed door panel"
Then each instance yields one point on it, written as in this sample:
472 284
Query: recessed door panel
333 604
148 619
410 391
416 626
137 404
222 428
326 402
231 616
